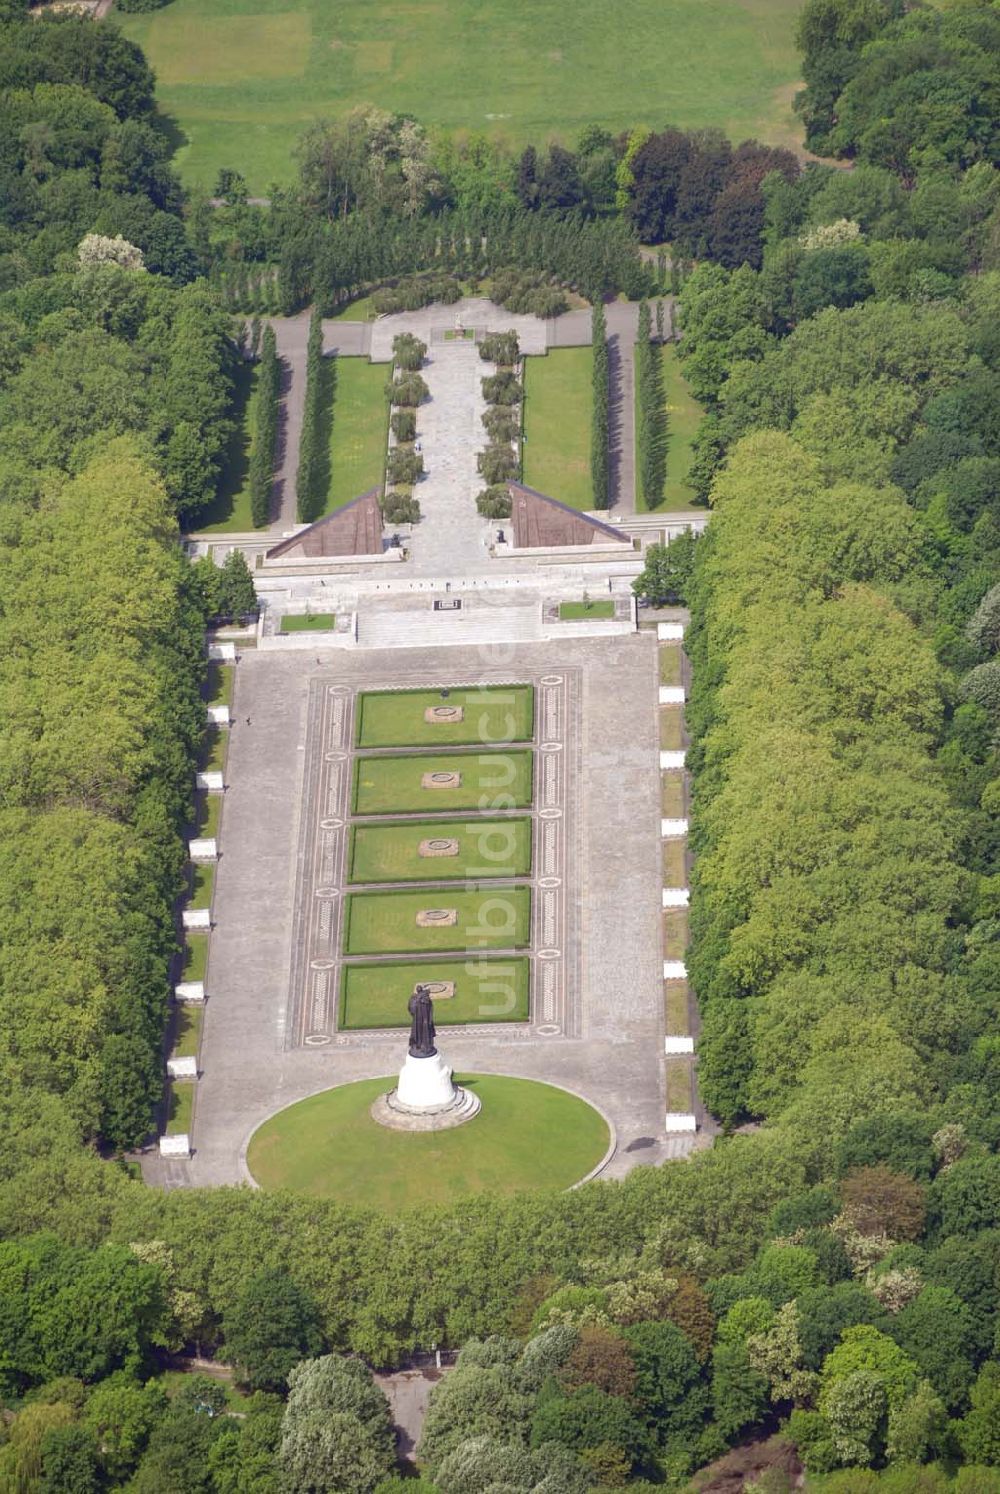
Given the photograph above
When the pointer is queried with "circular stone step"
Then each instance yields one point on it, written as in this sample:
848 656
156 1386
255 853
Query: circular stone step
388 1111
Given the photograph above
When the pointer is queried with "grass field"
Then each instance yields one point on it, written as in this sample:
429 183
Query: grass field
489 780
386 922
229 512
485 991
683 419
527 1136
557 408
358 430
395 718
309 622
672 805
486 848
570 611
675 1001
212 758
674 864
675 934
242 78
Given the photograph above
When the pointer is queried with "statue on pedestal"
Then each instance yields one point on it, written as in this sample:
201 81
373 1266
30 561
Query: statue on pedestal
422 1033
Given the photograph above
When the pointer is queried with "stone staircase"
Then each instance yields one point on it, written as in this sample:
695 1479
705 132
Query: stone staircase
422 627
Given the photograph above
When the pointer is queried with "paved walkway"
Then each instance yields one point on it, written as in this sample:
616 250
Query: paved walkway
451 538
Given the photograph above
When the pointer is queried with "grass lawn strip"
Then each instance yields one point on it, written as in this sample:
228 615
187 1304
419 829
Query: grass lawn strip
309 622
674 869
489 781
488 918
557 411
202 884
672 805
390 852
239 80
675 996
219 683
213 752
491 717
195 957
675 934
670 664
208 812
570 611
359 430
526 1136
180 1106
672 728
684 415
679 1085
485 991
186 1031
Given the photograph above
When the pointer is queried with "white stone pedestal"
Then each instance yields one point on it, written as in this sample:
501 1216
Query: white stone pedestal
425 1083
425 1099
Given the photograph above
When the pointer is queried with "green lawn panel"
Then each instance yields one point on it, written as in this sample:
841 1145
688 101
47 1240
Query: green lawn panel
489 780
313 622
358 430
571 611
526 1136
390 852
395 718
488 918
558 397
485 991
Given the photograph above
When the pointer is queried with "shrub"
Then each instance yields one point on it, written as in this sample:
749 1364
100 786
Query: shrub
499 347
528 292
404 467
501 422
414 291
494 502
409 390
400 508
502 388
408 351
403 424
497 464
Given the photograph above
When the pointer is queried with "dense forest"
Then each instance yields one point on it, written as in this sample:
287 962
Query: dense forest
830 1269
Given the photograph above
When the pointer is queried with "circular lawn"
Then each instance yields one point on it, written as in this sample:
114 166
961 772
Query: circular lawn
526 1136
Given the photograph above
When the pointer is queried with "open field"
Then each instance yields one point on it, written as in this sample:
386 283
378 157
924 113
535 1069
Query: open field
395 718
683 419
241 79
485 991
180 1106
670 664
526 1136
219 683
557 409
489 780
207 812
358 430
486 848
386 922
185 1031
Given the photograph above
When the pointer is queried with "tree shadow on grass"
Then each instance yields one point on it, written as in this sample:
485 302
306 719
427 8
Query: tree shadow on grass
233 480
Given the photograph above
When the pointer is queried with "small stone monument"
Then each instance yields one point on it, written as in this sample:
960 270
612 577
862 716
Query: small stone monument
444 715
441 780
438 846
426 1097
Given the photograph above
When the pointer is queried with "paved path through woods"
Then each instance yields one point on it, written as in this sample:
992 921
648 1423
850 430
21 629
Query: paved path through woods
354 339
